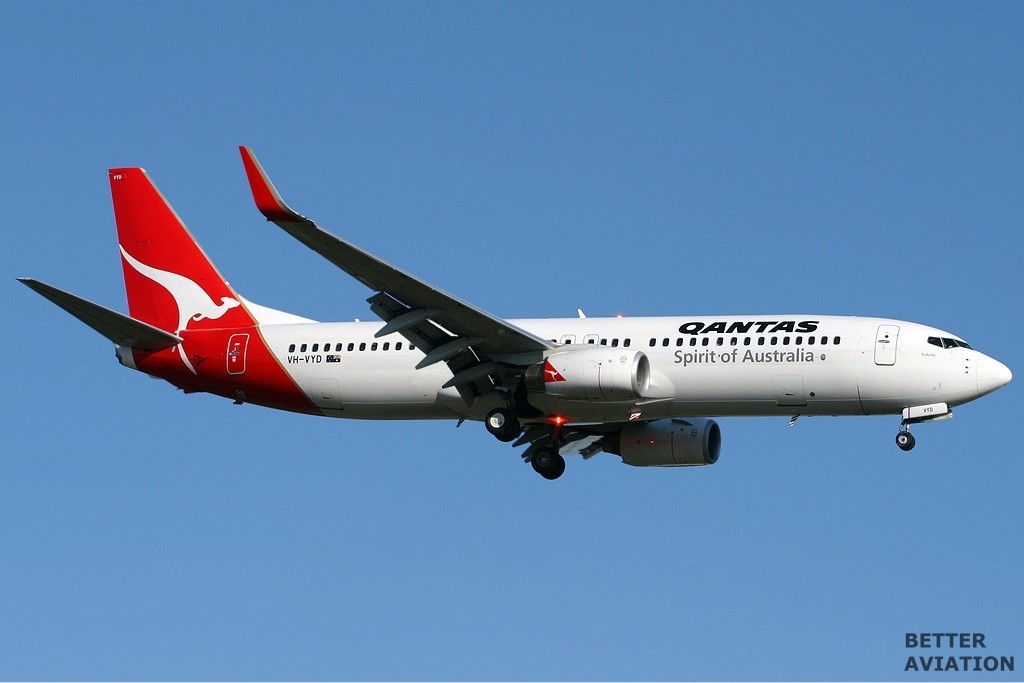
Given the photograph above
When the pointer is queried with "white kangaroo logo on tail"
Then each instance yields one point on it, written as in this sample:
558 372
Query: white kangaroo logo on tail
192 300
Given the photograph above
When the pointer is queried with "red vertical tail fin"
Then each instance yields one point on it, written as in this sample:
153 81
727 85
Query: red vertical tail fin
171 284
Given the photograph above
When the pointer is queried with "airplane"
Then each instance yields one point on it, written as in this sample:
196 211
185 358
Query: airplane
643 389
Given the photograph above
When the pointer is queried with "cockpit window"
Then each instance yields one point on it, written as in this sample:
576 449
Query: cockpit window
947 343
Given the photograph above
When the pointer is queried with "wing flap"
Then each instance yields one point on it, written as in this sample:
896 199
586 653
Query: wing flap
437 342
121 329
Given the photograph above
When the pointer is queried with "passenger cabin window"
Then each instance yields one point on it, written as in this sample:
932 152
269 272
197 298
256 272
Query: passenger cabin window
291 348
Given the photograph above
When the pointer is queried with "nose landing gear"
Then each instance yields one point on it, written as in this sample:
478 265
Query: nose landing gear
932 412
904 439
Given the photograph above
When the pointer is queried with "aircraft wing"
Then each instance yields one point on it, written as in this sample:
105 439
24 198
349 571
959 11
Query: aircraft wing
476 345
121 329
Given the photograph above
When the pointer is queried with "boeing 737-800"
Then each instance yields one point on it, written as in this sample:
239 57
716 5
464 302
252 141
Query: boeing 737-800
640 388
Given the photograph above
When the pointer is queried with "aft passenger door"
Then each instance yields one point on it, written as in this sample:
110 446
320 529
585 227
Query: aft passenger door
885 344
237 346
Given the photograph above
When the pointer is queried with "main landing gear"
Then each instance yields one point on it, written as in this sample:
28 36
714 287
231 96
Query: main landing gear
548 463
503 424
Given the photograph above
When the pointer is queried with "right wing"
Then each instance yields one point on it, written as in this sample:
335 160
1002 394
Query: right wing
121 329
478 347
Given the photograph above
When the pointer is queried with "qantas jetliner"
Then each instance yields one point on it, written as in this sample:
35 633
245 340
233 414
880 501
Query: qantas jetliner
639 388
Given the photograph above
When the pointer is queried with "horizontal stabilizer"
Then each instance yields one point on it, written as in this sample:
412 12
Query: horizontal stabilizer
117 327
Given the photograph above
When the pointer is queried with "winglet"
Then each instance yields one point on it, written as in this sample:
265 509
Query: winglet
268 201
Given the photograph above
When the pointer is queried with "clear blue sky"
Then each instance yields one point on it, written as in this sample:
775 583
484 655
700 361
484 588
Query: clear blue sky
635 158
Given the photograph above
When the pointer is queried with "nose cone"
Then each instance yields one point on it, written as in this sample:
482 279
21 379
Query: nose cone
991 375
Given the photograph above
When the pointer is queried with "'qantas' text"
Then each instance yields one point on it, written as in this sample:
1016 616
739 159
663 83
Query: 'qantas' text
755 326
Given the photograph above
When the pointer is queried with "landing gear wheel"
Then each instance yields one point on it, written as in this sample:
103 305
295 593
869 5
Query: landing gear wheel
503 425
905 440
548 463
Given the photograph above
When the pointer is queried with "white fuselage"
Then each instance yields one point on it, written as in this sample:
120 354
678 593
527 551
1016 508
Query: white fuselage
700 366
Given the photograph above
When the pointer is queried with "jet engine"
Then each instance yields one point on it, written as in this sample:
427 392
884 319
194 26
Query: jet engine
595 373
667 443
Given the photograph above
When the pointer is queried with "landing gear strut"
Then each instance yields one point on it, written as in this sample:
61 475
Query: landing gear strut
904 439
548 463
503 424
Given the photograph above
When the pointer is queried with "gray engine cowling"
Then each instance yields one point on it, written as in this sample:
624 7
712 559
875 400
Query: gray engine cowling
594 373
667 443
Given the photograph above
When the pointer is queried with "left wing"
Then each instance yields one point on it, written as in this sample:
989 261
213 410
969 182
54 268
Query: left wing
478 347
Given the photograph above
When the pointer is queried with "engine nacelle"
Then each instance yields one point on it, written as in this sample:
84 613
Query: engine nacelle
667 443
594 373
